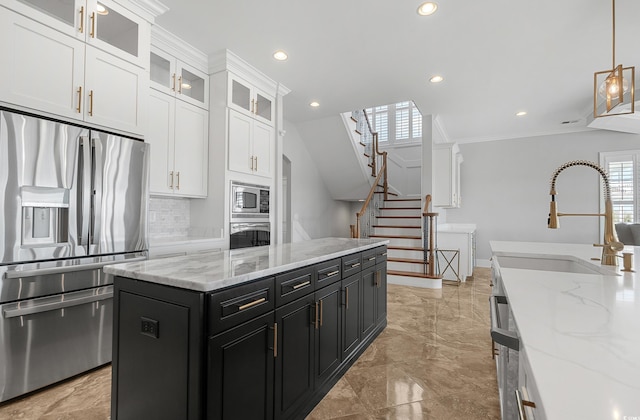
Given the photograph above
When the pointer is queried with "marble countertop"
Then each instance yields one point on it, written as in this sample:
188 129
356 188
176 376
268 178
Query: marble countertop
208 271
580 332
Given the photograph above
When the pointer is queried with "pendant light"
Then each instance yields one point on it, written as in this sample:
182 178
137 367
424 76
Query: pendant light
614 88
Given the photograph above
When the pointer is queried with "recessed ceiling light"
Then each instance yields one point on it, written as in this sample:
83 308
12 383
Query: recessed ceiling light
521 113
314 104
436 79
427 8
280 55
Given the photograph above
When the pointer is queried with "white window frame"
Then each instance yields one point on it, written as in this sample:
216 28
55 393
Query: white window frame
415 127
625 156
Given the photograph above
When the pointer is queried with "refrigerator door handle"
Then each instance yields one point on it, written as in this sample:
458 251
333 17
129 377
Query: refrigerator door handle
52 306
16 274
85 190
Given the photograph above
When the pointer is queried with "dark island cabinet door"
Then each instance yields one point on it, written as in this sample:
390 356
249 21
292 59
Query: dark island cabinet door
381 292
294 361
328 331
368 285
241 369
350 314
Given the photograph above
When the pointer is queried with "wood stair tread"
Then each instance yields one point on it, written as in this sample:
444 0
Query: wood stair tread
405 248
406 260
404 199
396 236
411 274
399 208
398 217
397 226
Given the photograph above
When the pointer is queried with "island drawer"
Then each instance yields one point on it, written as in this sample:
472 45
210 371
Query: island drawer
351 264
294 284
369 258
234 306
381 254
328 272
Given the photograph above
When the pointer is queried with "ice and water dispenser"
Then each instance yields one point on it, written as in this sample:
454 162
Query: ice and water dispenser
45 215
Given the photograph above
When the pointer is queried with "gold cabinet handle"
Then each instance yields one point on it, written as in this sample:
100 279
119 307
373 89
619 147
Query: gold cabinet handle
333 273
251 304
297 286
321 312
92 34
171 174
173 88
252 163
180 84
178 176
91 103
372 259
275 339
316 320
81 28
256 162
355 265
347 298
79 108
256 107
252 106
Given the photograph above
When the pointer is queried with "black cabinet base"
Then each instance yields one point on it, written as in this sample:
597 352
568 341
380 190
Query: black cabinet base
324 389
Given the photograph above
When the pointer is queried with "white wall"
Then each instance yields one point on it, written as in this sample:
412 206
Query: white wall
314 213
505 187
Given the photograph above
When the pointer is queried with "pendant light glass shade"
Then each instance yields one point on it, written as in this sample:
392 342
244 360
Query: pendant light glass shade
614 89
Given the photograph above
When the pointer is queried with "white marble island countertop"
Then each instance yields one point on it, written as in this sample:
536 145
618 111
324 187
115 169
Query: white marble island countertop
580 332
208 271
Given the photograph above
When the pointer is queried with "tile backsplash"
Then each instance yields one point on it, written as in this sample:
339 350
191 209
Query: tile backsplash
169 217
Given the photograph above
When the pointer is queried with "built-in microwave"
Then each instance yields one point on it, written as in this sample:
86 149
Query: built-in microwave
248 200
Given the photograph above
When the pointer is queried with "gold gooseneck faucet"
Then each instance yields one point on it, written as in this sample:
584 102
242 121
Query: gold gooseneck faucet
611 245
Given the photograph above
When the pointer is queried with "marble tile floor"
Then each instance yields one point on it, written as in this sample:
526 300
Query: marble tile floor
433 361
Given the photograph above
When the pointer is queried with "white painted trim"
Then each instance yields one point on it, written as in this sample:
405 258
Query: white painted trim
147 9
226 60
439 131
414 282
177 47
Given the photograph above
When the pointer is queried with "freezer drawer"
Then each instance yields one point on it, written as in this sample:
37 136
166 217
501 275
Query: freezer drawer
52 338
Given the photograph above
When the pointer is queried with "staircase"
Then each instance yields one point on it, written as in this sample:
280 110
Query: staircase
400 221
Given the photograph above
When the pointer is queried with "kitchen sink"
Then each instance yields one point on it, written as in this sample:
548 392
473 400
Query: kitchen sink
562 264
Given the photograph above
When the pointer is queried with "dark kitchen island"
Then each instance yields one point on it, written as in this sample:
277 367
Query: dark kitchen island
257 333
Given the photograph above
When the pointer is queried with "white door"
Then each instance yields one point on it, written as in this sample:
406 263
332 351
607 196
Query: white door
191 150
41 68
262 149
114 91
240 129
160 136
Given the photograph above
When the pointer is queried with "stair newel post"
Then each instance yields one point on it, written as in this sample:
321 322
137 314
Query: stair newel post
430 238
385 183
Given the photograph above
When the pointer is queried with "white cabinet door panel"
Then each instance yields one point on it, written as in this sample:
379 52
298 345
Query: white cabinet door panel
114 92
262 149
160 136
240 131
42 68
191 149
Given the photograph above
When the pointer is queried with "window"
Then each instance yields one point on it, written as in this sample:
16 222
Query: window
396 124
624 173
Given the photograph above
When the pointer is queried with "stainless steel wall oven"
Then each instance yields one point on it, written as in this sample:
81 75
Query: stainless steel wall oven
72 200
249 234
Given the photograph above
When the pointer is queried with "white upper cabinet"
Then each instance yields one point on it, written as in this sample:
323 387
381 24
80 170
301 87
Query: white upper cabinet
73 59
41 69
174 77
105 24
251 145
245 98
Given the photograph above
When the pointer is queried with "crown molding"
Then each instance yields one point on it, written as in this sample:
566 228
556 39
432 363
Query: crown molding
225 60
177 47
149 9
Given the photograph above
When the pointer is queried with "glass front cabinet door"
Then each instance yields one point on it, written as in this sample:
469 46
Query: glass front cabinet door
171 76
249 100
103 24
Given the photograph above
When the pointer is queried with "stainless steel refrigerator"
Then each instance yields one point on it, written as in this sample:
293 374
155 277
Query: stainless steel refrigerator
72 200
